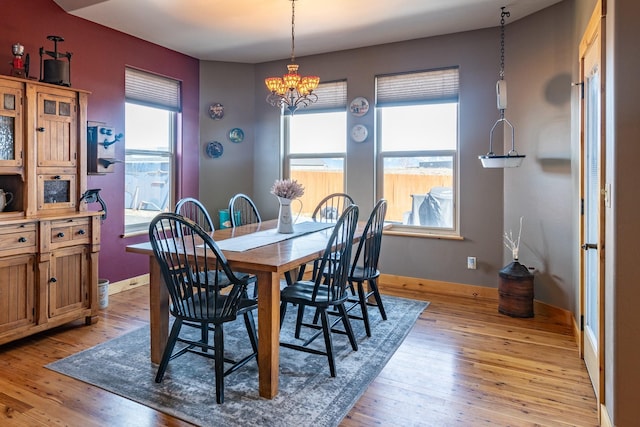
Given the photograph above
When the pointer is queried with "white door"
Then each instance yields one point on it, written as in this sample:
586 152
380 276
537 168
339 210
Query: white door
592 225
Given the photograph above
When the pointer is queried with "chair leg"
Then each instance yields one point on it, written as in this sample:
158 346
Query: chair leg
299 319
218 338
326 328
362 298
283 312
376 294
251 330
204 335
171 343
347 326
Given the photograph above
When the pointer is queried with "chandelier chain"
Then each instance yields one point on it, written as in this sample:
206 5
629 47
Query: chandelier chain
293 30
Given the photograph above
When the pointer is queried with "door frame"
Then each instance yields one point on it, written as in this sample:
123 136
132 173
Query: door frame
595 28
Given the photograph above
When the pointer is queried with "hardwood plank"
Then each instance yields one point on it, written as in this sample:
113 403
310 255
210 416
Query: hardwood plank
462 364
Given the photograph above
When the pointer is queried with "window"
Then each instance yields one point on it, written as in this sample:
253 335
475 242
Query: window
417 117
151 113
315 144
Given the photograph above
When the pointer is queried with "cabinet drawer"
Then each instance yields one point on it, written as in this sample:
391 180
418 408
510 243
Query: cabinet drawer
20 241
74 231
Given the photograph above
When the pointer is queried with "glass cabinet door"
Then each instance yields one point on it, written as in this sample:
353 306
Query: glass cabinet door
10 126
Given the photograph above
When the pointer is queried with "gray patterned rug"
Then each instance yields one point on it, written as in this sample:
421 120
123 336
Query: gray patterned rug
308 396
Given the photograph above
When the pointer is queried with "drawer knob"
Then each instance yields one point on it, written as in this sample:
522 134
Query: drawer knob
82 232
40 129
53 280
22 239
61 234
57 177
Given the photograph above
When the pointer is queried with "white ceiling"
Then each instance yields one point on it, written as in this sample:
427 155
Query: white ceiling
254 31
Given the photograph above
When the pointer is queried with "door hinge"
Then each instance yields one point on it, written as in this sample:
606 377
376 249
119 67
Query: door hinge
581 206
581 323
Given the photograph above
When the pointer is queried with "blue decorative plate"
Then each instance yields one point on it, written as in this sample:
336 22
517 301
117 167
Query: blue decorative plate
214 149
236 135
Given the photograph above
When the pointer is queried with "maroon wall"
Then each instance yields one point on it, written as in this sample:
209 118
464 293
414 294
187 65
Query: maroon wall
97 65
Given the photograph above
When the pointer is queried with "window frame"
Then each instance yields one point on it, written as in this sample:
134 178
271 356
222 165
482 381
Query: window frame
409 229
154 91
335 102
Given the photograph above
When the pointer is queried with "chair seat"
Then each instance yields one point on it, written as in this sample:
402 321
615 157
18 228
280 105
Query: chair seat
359 274
244 305
302 293
222 279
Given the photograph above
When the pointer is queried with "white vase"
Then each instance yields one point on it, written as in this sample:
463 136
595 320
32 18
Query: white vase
285 220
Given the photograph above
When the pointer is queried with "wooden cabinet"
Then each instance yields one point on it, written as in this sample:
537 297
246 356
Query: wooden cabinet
49 241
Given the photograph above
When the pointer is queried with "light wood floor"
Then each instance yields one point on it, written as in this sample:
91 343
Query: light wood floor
463 364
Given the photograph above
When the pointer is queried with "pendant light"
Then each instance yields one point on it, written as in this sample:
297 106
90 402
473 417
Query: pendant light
292 90
512 159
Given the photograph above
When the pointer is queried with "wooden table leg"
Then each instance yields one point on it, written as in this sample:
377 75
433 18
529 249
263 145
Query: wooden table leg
159 311
268 333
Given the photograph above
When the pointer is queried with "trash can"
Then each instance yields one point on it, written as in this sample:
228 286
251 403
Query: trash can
103 293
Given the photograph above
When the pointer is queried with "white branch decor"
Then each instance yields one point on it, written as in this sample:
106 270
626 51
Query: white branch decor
511 244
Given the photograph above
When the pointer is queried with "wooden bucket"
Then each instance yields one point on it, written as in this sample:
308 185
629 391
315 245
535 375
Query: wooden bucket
515 290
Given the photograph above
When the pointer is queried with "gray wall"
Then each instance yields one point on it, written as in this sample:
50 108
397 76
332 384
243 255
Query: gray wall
538 69
230 84
539 60
477 54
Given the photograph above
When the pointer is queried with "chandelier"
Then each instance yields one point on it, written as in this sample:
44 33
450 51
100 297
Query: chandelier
292 90
512 159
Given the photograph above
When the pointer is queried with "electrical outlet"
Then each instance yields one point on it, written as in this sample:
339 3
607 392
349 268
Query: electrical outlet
471 263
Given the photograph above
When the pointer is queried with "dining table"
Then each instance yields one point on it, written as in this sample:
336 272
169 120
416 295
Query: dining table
268 262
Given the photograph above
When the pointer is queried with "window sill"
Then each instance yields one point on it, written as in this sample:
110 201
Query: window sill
421 234
134 233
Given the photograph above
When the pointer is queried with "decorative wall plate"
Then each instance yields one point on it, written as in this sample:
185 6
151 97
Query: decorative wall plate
359 106
359 133
236 135
216 111
214 149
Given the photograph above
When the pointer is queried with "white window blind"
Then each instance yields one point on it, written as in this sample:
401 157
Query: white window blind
152 90
420 87
331 96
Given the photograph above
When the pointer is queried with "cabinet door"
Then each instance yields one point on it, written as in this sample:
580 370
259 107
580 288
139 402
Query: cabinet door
68 271
10 126
17 286
56 130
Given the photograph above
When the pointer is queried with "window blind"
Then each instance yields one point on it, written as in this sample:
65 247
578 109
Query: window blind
331 96
419 87
152 90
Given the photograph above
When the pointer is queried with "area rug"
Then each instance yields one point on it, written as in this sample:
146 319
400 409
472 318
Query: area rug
308 395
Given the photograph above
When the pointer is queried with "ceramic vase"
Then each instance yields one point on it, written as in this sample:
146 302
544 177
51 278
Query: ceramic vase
285 217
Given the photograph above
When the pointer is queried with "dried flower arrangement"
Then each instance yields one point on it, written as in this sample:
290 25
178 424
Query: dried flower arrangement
513 244
287 189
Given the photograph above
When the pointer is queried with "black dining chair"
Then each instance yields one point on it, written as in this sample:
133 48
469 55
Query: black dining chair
193 209
364 267
327 291
328 209
184 250
242 208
